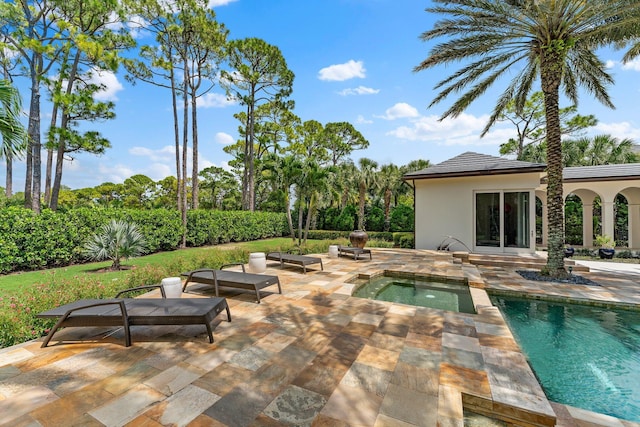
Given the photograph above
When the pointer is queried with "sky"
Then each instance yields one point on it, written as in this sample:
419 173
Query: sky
353 61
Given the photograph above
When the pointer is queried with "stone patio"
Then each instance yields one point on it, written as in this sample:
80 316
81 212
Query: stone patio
313 356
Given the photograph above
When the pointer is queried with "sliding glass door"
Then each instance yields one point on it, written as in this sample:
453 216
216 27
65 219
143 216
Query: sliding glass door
503 221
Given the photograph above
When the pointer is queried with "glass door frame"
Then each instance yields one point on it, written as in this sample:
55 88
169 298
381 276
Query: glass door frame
502 247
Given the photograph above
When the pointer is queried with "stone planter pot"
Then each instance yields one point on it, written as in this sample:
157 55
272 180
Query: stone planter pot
358 238
568 252
606 253
172 287
257 262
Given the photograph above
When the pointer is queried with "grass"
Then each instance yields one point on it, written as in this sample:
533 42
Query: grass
13 282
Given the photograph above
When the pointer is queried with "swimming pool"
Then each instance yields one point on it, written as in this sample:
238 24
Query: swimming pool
583 356
422 292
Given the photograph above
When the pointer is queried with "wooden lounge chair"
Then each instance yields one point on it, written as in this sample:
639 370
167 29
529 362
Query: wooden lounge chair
127 312
353 251
231 279
297 259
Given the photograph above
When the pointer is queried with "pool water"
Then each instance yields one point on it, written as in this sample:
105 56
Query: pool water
418 292
583 356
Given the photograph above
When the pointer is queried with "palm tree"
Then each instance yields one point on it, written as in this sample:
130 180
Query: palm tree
367 180
12 134
553 40
607 150
389 178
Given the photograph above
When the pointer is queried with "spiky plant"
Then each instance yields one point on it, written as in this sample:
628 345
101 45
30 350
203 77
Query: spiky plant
116 240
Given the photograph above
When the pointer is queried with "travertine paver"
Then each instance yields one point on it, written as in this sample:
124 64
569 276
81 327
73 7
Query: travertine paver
312 356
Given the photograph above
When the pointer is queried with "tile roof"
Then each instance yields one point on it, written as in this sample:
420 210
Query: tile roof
625 171
470 163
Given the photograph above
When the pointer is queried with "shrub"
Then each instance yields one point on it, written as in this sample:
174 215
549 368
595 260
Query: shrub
115 241
402 218
404 240
30 242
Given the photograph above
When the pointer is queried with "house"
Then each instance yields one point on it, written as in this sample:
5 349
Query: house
488 203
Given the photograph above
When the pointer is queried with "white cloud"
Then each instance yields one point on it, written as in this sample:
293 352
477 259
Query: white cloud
463 130
114 173
341 72
224 138
362 121
109 82
610 63
360 90
165 154
214 3
400 111
633 65
214 100
619 130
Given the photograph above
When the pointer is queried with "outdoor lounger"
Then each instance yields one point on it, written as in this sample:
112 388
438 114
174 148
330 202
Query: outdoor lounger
231 279
355 252
289 258
127 312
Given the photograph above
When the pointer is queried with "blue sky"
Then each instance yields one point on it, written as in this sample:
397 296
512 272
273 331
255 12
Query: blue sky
353 61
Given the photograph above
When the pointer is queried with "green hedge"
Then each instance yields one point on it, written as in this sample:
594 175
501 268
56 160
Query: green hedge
54 239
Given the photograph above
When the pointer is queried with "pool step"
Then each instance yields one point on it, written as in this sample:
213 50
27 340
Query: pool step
519 261
534 413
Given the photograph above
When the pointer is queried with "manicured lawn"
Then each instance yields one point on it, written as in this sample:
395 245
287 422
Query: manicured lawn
15 281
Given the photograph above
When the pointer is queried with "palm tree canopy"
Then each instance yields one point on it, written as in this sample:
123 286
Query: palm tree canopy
494 38
12 134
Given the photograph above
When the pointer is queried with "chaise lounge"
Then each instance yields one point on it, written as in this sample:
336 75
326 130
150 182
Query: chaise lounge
289 258
231 279
353 251
127 312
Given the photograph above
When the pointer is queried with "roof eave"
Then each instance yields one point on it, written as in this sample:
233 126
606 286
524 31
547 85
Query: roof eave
475 173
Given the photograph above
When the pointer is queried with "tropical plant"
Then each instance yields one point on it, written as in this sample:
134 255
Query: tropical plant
389 180
598 150
604 241
367 180
116 240
553 40
12 134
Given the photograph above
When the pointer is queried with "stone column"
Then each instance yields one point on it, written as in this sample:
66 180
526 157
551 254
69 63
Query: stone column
634 226
608 218
587 225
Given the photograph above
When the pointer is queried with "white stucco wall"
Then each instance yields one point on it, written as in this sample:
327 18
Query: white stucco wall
445 206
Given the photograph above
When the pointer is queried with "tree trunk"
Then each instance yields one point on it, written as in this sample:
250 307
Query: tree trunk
551 74
387 209
8 188
64 124
185 146
194 137
362 198
300 206
33 132
289 219
57 182
176 134
34 136
251 177
309 214
245 172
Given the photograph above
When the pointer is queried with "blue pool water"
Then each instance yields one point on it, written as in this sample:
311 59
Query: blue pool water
418 292
587 357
